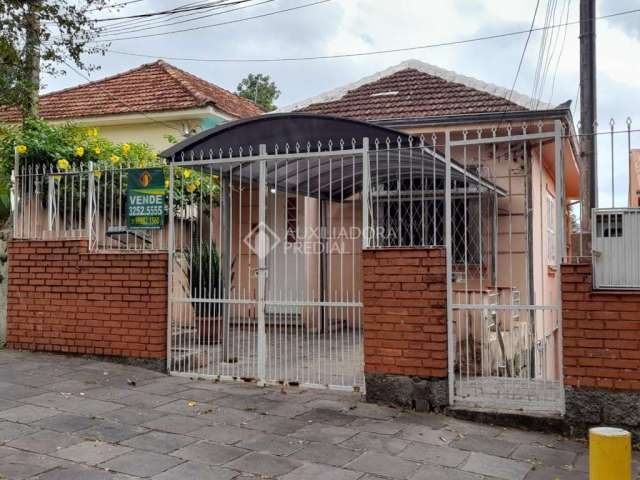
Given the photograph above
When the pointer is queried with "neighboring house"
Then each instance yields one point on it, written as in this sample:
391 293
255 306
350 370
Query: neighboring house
634 178
144 104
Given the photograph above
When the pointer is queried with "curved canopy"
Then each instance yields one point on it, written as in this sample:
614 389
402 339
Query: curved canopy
332 149
281 129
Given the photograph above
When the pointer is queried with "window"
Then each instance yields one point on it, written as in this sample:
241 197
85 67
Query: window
292 220
551 230
609 225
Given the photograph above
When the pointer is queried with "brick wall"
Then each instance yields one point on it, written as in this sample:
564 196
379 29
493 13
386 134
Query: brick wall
405 313
63 299
601 333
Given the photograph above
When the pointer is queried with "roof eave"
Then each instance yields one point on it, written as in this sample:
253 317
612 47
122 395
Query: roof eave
142 117
563 114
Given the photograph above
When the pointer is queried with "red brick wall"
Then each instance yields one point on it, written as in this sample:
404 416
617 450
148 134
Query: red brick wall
64 299
405 311
601 333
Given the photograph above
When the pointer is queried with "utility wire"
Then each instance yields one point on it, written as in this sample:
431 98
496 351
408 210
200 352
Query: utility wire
370 53
116 5
163 24
201 27
171 11
550 53
142 21
564 39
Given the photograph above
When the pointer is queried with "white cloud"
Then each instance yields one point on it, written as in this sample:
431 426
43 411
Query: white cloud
342 26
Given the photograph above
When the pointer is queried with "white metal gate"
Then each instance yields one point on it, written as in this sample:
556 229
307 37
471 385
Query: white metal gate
264 284
505 242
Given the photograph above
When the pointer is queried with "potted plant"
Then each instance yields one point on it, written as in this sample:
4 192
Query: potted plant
204 281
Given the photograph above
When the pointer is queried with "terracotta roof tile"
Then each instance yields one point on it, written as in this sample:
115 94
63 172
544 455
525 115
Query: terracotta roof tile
153 87
410 92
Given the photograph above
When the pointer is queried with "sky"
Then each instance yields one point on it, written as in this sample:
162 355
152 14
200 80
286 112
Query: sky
349 26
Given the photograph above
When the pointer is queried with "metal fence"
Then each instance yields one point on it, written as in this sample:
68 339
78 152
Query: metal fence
505 240
78 201
265 281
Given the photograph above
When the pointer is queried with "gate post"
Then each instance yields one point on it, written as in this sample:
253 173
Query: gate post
365 192
560 240
170 255
224 290
262 270
89 213
449 267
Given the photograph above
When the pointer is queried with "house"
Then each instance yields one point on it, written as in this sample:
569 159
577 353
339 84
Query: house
411 224
144 104
513 169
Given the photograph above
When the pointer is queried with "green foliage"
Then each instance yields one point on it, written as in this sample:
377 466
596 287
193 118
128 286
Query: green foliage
70 147
205 267
42 36
260 89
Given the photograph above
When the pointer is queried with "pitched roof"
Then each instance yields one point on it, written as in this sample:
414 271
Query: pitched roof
152 87
416 89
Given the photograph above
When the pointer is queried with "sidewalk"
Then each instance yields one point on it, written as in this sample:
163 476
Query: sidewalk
64 418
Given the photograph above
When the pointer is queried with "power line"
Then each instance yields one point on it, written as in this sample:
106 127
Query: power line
116 5
372 52
564 39
269 14
142 21
117 99
162 24
524 51
549 54
184 8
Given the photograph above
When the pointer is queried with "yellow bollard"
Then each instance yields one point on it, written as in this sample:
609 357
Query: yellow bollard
609 454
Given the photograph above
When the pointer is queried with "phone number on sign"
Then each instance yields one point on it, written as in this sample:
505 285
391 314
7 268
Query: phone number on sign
145 210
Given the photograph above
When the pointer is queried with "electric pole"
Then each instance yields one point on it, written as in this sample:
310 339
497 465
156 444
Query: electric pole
588 112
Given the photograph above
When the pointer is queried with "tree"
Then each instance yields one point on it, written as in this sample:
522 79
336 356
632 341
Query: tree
42 36
260 89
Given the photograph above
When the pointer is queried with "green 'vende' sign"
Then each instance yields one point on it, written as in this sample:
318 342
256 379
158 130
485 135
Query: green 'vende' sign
145 198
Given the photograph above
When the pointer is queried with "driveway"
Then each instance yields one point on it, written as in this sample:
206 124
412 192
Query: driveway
70 418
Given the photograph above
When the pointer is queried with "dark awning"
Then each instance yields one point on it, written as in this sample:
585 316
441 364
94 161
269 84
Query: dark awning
335 173
280 129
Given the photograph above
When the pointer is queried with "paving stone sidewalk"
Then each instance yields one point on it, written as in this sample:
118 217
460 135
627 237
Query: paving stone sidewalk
69 418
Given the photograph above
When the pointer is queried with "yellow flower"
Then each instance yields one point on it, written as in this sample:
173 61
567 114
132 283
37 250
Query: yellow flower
197 182
115 159
142 163
191 187
126 148
92 132
63 164
97 150
79 151
97 173
21 149
57 178
166 184
186 173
